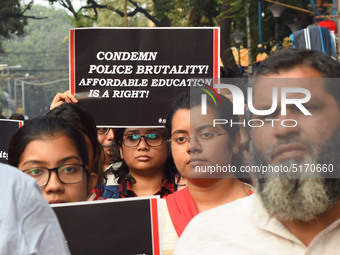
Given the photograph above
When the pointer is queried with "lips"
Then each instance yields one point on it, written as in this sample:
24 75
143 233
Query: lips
196 161
143 158
289 151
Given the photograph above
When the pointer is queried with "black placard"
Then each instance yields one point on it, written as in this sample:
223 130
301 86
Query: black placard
117 226
7 128
129 77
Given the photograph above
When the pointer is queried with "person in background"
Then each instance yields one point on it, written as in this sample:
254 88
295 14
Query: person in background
295 211
111 159
111 152
105 136
28 224
61 98
17 116
197 144
228 76
77 115
55 153
147 168
156 178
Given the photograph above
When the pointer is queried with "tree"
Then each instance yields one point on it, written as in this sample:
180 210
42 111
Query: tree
112 15
12 18
161 13
45 46
43 56
228 14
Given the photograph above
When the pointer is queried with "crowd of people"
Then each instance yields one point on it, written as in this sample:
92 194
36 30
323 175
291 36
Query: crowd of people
201 213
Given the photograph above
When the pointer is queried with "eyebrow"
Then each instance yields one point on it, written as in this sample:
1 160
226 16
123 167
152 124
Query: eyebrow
61 161
180 131
155 130
146 131
64 160
34 162
204 127
131 131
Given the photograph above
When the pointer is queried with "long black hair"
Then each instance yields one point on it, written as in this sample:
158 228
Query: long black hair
86 124
123 171
41 128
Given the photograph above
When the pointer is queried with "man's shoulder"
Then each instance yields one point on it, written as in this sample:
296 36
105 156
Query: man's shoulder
17 186
222 217
7 170
242 207
213 229
10 175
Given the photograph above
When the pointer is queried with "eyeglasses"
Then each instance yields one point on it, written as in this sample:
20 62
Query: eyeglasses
67 174
207 137
103 131
152 140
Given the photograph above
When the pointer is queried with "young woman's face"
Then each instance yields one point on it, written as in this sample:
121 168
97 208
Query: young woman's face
148 153
208 146
181 152
53 152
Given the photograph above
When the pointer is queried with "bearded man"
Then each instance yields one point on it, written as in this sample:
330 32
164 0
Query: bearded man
296 206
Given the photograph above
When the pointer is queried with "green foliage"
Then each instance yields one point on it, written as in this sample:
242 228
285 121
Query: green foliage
179 11
229 13
205 10
12 20
162 8
83 21
208 8
142 12
45 47
109 18
43 54
178 16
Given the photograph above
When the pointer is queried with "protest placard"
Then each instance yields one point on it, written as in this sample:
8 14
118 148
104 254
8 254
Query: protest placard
113 226
128 77
7 128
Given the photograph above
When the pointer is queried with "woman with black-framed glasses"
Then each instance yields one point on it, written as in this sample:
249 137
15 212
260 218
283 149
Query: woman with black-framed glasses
147 168
55 154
